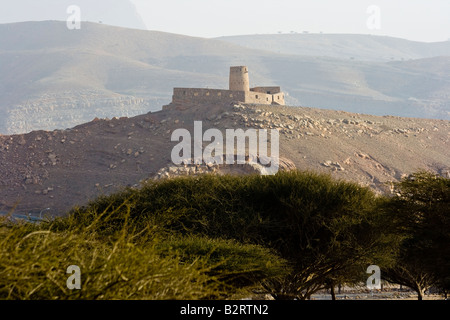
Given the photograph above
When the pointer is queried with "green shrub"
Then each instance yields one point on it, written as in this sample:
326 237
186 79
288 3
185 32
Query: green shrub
33 265
120 263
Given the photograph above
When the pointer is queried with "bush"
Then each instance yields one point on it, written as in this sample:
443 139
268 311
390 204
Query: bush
122 263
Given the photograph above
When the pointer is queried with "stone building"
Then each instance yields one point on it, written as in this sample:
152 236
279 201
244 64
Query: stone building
239 91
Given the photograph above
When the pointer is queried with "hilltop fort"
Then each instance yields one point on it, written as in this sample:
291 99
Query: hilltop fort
239 91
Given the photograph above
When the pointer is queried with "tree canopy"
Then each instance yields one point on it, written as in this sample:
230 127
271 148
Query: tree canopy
421 209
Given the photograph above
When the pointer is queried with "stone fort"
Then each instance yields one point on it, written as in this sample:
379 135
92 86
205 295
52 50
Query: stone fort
239 91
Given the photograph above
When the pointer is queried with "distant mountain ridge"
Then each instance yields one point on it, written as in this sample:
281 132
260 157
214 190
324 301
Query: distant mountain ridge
343 46
121 13
52 77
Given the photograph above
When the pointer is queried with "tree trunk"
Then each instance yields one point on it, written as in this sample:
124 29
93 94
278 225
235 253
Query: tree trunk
420 292
333 293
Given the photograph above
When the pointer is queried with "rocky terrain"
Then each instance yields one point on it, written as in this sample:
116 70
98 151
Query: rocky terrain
63 168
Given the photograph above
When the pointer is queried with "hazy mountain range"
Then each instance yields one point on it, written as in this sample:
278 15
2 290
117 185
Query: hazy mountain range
52 77
343 46
121 13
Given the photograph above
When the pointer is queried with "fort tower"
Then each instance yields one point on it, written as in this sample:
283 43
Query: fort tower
239 79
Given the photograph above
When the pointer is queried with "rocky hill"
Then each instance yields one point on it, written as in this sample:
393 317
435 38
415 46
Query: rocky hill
55 78
63 168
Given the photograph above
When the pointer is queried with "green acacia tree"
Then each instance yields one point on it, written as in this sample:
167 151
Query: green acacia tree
324 228
334 244
421 209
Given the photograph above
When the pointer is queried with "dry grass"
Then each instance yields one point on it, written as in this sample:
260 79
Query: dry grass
118 263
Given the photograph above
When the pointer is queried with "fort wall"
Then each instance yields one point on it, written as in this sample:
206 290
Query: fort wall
263 98
202 95
268 90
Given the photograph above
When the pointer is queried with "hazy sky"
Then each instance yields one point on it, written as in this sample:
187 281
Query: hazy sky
420 20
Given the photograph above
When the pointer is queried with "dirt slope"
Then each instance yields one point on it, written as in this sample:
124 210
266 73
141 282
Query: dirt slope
63 168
